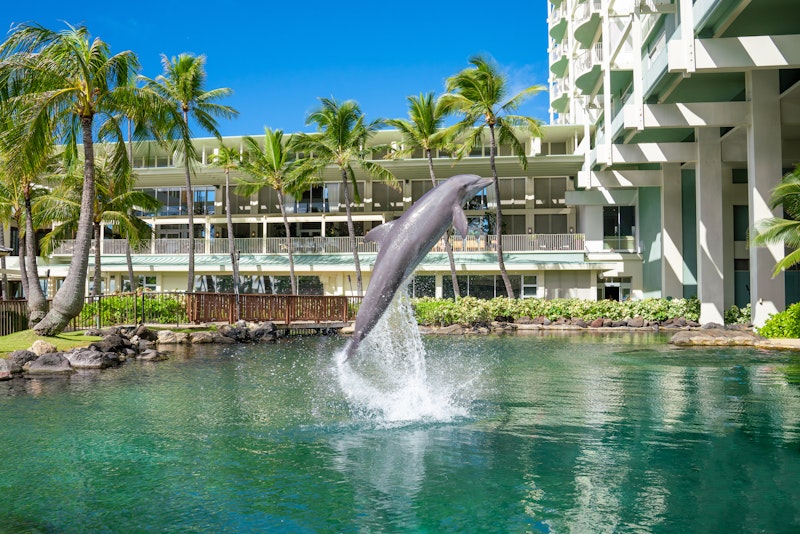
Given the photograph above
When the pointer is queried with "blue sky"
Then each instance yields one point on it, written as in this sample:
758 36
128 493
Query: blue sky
279 58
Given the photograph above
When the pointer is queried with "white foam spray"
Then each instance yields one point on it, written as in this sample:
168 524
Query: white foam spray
388 379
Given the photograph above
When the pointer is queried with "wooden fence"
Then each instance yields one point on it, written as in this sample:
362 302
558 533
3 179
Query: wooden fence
13 316
286 309
179 308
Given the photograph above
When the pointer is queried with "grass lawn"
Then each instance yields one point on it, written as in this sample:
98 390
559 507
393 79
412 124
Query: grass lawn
24 339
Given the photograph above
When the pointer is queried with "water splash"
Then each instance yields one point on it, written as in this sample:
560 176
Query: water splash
388 380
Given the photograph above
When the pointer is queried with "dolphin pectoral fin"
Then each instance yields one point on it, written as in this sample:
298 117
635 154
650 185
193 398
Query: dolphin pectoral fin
459 220
379 233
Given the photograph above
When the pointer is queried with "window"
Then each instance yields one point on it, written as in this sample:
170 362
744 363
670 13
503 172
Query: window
512 192
550 192
550 224
425 286
385 198
619 227
614 288
147 282
529 287
740 223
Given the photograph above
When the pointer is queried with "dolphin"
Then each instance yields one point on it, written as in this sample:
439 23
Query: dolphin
404 242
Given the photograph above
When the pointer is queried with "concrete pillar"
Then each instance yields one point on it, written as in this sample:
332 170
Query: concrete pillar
592 227
710 287
764 171
672 232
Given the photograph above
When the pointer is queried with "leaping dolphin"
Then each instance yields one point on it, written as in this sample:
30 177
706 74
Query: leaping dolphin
404 242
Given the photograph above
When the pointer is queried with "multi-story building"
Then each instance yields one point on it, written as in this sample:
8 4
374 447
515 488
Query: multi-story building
692 107
545 255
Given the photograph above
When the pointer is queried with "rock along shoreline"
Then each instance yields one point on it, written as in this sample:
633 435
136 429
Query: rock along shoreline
121 344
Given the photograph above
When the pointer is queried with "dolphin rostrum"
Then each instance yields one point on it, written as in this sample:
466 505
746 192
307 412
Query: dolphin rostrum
404 242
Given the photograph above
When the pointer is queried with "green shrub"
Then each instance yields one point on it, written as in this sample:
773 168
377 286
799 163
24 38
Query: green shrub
783 324
469 310
737 315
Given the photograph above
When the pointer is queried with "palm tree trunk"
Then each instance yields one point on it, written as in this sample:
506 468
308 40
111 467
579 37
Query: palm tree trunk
190 210
68 300
352 233
37 303
23 271
3 262
289 247
231 240
128 258
446 236
97 276
499 219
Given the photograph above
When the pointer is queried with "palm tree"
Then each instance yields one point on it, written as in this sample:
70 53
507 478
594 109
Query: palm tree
182 87
113 203
786 231
424 130
340 140
479 93
64 87
273 167
13 203
229 159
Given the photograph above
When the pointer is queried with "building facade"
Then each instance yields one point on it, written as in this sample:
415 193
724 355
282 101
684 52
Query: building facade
691 107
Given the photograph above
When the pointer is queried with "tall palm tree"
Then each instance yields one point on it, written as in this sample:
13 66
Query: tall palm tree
424 130
480 94
786 231
65 87
229 159
182 86
340 140
272 166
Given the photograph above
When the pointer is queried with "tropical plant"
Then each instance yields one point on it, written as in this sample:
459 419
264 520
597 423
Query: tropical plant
181 87
64 87
786 230
273 166
18 193
424 130
480 94
785 324
341 140
114 200
229 159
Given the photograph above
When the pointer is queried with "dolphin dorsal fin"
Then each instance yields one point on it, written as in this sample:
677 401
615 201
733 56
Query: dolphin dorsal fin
460 220
379 233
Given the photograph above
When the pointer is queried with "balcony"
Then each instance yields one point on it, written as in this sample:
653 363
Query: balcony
588 68
559 95
587 21
332 245
558 60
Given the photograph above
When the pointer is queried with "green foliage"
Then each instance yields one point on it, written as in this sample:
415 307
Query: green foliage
737 315
127 309
783 324
469 310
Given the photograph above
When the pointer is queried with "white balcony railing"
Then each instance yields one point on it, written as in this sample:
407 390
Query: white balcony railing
588 59
332 245
585 10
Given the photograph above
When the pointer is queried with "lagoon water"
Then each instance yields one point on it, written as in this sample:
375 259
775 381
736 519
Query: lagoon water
590 433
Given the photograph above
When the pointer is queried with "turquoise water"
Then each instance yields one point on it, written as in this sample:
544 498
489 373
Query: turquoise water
528 434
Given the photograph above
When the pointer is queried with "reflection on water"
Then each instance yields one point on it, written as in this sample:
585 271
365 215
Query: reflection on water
552 434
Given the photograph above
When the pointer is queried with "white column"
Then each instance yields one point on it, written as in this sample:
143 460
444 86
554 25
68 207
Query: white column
671 231
764 171
207 240
710 287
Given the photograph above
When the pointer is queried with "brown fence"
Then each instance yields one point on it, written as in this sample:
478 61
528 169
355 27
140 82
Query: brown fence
13 316
286 309
180 308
